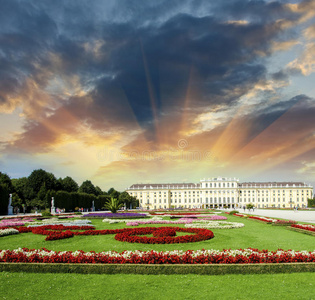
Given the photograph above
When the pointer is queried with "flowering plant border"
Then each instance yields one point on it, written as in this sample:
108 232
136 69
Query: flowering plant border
240 256
304 227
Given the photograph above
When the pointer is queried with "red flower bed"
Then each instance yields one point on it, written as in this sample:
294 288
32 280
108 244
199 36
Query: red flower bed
240 256
304 227
131 236
167 234
263 219
164 232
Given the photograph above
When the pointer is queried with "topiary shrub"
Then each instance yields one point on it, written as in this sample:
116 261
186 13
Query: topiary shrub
234 212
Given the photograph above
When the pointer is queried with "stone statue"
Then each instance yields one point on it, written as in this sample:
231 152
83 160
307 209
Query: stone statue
52 202
10 208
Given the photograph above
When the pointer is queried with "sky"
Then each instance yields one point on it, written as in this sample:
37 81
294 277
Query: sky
129 91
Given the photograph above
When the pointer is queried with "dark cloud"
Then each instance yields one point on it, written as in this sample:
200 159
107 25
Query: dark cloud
136 54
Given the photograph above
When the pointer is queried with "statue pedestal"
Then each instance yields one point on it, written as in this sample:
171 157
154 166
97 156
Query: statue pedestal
53 210
10 210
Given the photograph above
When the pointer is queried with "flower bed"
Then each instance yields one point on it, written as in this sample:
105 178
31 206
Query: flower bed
10 222
263 219
131 235
241 256
304 227
182 214
284 222
115 215
136 223
113 221
57 232
215 225
8 231
65 223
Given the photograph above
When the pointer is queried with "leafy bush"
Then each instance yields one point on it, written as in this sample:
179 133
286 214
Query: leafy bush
46 214
234 212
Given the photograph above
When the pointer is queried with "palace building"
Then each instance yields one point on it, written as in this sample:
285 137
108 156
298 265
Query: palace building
222 192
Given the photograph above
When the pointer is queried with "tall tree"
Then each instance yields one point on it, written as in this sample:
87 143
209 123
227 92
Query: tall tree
69 185
88 187
23 189
113 193
40 177
6 180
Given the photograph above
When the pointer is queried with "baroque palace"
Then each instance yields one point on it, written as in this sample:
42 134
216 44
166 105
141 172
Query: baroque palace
222 192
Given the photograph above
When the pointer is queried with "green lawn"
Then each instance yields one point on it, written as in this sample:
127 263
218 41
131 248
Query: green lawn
80 286
254 234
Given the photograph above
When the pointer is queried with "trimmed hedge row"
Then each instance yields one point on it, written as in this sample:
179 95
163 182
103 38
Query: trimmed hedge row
301 230
149 269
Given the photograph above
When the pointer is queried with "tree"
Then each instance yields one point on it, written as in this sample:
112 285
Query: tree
6 180
4 198
311 202
40 177
41 197
69 185
99 190
129 201
88 187
23 189
113 193
113 205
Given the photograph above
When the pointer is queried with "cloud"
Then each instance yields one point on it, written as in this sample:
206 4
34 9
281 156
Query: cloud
128 75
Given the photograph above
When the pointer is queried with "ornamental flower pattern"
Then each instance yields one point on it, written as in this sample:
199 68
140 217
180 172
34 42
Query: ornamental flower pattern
136 235
240 256
57 232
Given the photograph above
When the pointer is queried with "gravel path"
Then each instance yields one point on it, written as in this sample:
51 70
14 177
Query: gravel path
300 216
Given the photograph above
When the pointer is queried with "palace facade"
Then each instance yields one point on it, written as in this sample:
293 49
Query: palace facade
222 192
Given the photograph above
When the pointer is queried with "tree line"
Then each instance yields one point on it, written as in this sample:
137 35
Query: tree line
37 190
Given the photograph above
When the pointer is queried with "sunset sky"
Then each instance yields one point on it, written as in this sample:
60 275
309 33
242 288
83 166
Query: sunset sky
129 91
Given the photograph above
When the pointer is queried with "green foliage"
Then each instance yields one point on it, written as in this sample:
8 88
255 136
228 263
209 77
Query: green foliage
69 185
4 198
113 205
113 193
311 202
88 188
129 201
16 201
39 177
249 206
5 179
25 192
46 214
232 212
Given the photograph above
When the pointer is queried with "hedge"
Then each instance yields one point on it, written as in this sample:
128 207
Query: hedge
301 230
149 269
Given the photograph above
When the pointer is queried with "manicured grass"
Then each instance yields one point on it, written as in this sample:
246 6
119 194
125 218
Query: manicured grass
254 234
122 286
78 286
